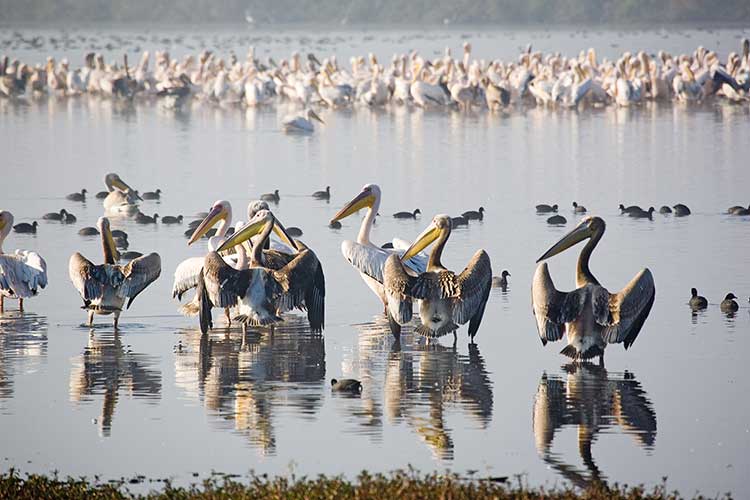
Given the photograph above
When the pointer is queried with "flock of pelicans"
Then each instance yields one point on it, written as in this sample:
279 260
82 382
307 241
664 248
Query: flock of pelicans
465 82
255 279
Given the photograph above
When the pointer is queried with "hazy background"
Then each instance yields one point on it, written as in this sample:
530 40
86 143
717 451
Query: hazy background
612 12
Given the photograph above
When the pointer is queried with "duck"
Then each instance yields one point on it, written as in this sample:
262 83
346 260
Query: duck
88 231
346 385
101 195
57 216
642 214
681 210
142 218
119 233
630 209
77 196
152 195
557 220
728 305
294 232
407 215
578 209
170 219
69 218
273 197
323 195
26 228
501 281
334 224
474 214
696 301
459 221
665 210
545 209
737 210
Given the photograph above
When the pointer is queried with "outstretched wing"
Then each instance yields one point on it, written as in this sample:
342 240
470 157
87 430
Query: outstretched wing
625 312
223 283
370 260
23 273
186 276
139 273
474 284
397 285
553 308
303 287
87 278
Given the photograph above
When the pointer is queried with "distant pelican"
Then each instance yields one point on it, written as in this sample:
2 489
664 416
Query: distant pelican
121 197
696 301
104 288
22 273
301 123
323 195
590 315
77 196
407 215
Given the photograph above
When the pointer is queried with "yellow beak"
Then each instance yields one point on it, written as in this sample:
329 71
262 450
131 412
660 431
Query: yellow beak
577 235
423 240
111 244
256 226
315 116
362 200
216 214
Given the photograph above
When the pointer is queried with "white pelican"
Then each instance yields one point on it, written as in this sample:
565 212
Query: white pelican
301 122
367 258
22 273
121 197
590 315
446 299
105 288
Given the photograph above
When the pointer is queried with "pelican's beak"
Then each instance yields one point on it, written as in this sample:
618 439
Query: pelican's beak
111 244
248 231
121 185
216 214
315 116
362 200
423 240
580 233
281 232
2 224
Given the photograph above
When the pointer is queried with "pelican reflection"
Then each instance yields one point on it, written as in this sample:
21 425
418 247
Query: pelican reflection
107 367
23 347
593 401
243 378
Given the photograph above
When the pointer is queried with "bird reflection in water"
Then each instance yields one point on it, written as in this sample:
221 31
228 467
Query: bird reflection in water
23 346
106 367
593 401
242 378
415 382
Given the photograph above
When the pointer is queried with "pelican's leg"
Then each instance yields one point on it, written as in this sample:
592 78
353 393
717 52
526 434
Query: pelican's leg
117 319
2 303
91 318
20 305
229 319
601 359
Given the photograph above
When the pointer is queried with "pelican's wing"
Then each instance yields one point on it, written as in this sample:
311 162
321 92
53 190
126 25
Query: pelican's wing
186 276
370 260
551 307
22 274
139 273
397 285
624 313
223 283
634 412
549 412
474 284
303 287
418 263
275 260
87 278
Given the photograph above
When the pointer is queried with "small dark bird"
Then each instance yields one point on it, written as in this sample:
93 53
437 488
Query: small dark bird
630 209
387 245
665 210
681 210
142 218
119 233
696 301
545 209
152 195
346 385
274 197
170 219
58 216
474 214
501 281
335 224
728 305
101 195
738 210
121 243
642 214
579 209
88 231
322 195
557 220
69 218
25 227
77 196
407 215
130 255
294 232
459 221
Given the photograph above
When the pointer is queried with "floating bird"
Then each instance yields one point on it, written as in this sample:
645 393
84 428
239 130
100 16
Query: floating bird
696 301
579 209
459 221
323 195
272 197
301 123
557 220
170 219
346 385
545 209
407 215
77 196
152 195
501 281
118 233
26 228
22 273
121 197
737 210
121 243
334 224
102 195
57 216
665 210
642 214
294 232
69 218
363 255
106 287
446 299
88 231
142 218
590 315
728 305
474 214
681 210
630 209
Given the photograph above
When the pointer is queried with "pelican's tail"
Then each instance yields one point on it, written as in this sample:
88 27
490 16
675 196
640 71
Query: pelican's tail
576 355
449 327
257 320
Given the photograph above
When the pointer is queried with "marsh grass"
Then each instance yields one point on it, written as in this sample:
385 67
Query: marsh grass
406 485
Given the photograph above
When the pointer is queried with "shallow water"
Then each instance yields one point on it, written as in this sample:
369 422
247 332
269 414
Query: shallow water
159 400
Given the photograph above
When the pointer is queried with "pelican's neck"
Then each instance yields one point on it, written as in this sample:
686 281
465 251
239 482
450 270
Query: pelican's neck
363 238
110 253
241 258
257 258
583 273
434 263
224 224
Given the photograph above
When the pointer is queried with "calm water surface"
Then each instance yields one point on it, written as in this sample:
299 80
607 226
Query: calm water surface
159 400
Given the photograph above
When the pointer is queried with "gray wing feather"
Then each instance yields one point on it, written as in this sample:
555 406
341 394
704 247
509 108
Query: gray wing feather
223 284
551 307
87 278
474 284
139 273
302 284
370 260
398 285
629 309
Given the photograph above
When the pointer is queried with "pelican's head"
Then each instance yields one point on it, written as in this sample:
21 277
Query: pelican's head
6 223
589 227
254 207
113 181
220 210
441 224
366 198
257 225
109 243
312 115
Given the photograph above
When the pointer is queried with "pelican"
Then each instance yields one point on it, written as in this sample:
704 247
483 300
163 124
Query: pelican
22 273
590 315
367 258
121 197
446 299
696 301
301 123
104 288
272 284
